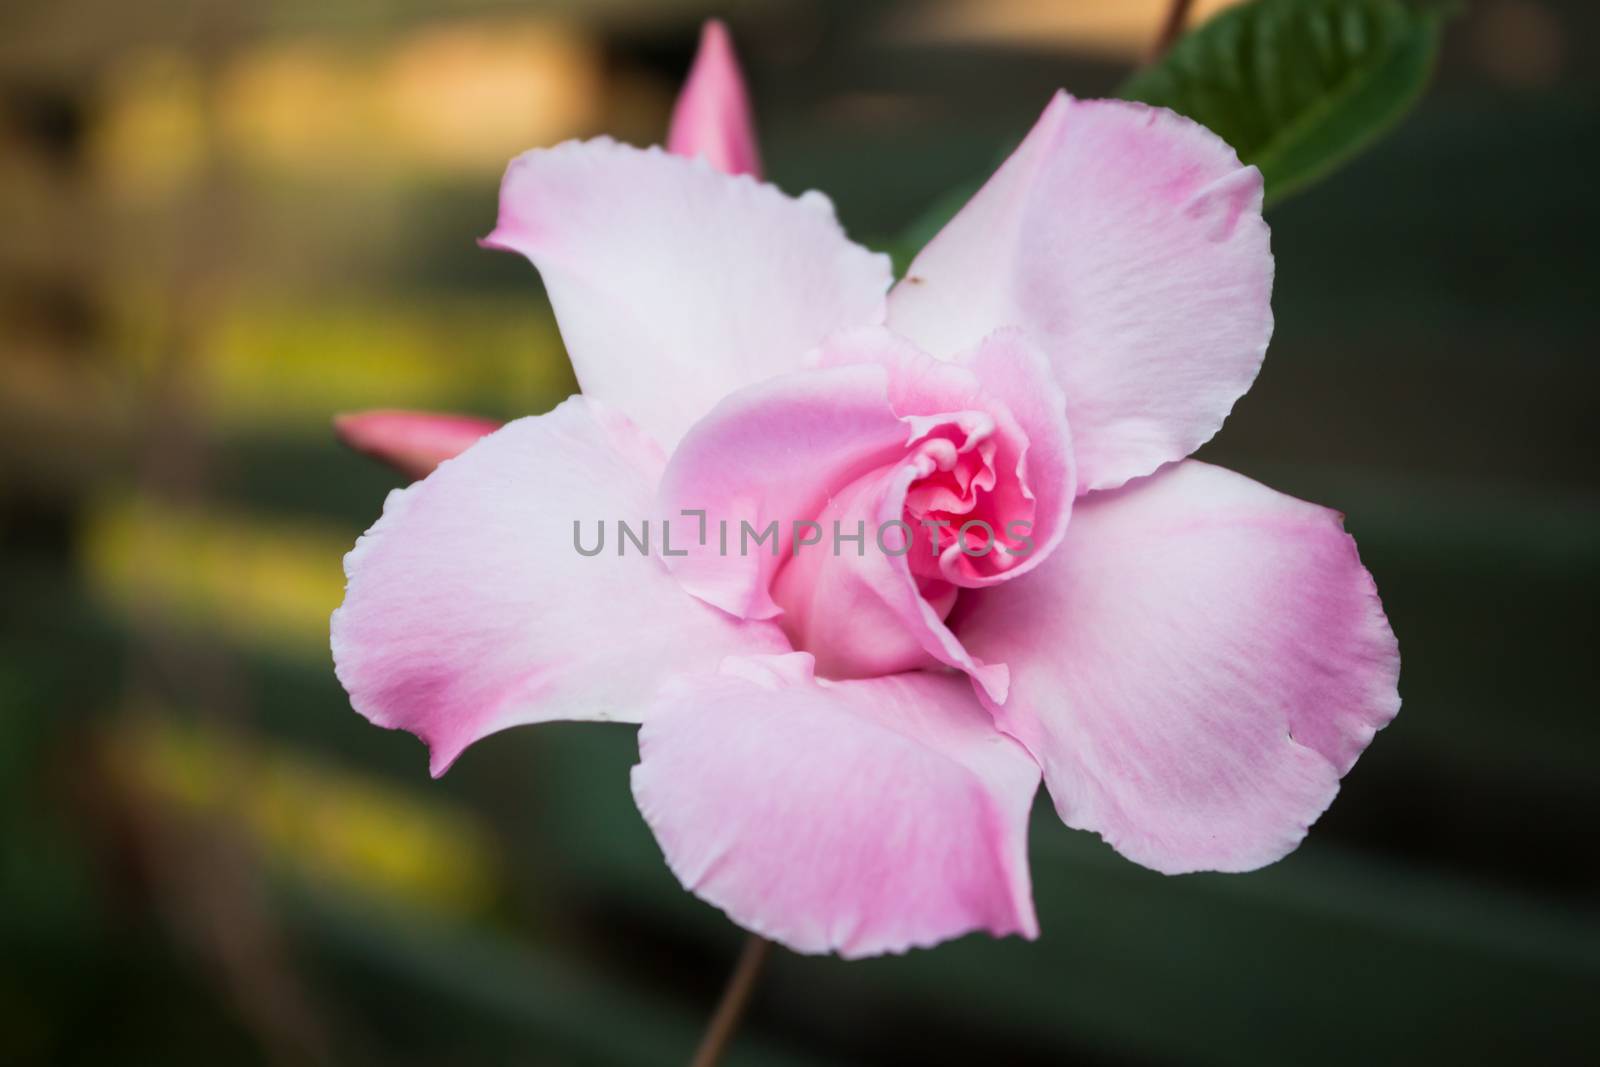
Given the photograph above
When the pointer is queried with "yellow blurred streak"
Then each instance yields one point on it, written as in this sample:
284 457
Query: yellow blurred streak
459 97
1122 29
320 823
259 580
152 139
474 95
305 103
271 363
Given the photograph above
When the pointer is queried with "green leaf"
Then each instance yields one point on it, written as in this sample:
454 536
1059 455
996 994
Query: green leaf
1297 87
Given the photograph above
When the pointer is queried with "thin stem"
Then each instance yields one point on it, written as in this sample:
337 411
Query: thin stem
1171 28
736 995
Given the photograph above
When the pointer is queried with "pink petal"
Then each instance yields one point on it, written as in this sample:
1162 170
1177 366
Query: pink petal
774 453
834 445
821 446
1014 372
712 116
674 284
1129 242
780 450
1195 667
412 442
1005 377
468 609
868 615
857 817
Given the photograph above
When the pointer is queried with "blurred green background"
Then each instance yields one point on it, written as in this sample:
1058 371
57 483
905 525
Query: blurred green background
223 223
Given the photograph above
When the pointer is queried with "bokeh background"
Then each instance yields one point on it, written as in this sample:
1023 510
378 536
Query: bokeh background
222 223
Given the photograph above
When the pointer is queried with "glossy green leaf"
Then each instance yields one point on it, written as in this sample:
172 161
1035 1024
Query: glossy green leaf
1297 87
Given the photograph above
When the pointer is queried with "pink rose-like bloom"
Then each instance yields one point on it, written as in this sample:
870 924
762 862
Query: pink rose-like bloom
840 747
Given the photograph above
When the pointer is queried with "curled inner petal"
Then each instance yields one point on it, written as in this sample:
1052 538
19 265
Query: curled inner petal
967 524
913 480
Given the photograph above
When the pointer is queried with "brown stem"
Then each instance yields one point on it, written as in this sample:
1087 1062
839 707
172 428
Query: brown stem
725 1020
1171 28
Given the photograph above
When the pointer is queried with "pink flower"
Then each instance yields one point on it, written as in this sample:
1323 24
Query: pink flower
841 739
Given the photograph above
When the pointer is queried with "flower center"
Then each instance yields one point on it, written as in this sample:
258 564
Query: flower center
967 522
